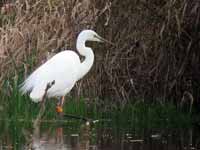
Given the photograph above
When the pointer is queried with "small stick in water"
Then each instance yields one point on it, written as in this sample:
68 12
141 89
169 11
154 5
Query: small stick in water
42 109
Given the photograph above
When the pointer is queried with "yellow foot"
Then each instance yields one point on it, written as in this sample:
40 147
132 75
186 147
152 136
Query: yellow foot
59 109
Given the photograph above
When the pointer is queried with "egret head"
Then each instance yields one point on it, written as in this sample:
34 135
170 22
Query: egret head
90 35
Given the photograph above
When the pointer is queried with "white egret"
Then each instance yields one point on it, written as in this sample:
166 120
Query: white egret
64 69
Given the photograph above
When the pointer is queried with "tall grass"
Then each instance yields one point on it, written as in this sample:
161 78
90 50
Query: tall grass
16 107
136 69
156 52
18 112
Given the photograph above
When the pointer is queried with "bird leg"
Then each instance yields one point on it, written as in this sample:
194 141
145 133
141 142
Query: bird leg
59 108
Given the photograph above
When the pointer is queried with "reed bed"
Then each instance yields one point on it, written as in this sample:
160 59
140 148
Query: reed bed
156 57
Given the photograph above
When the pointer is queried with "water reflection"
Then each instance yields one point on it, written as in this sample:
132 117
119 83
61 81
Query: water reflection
86 137
46 141
59 140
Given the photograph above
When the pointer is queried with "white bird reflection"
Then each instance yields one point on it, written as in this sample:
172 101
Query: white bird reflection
50 140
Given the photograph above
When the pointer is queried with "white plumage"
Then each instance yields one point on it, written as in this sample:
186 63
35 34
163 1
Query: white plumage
65 68
65 76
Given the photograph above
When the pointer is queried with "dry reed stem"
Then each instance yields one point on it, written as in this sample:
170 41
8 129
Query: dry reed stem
160 66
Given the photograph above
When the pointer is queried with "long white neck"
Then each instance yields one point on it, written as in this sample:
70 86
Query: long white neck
87 53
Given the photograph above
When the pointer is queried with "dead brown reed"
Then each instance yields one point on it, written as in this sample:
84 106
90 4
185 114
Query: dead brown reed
157 52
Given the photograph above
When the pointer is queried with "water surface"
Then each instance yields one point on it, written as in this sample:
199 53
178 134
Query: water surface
79 135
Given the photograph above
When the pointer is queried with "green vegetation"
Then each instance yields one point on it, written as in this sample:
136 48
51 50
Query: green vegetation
18 112
14 106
